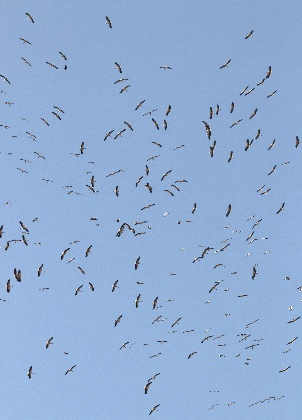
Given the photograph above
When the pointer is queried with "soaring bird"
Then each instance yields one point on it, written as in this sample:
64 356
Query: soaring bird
235 123
166 67
108 22
154 304
249 34
137 300
5 79
281 208
70 369
230 156
118 67
155 123
78 290
118 320
25 61
226 64
128 125
285 369
108 135
40 270
52 65
272 170
114 286
216 284
244 90
254 273
140 104
154 408
137 262
91 286
25 41
146 388
168 110
23 226
229 209
49 342
119 81
269 72
208 129
88 250
63 55
125 89
166 174
29 17
64 253
253 114
232 107
8 286
271 145
192 354
297 142
175 322
30 372
272 94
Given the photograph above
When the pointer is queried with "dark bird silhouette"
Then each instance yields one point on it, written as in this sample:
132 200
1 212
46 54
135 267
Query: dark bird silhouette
118 67
29 17
281 208
70 369
249 35
156 406
118 320
49 342
108 22
226 64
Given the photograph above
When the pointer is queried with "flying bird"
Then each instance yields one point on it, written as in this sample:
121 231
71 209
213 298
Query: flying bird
108 22
118 67
30 372
140 104
52 65
269 72
154 408
78 290
229 209
49 342
70 369
235 123
117 320
175 322
297 142
63 55
230 156
281 208
91 286
137 262
88 251
155 123
64 253
114 286
249 35
146 388
166 67
25 41
226 64
272 94
272 170
29 17
285 369
40 270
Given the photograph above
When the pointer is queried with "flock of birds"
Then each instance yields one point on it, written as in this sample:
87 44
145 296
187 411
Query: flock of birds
249 341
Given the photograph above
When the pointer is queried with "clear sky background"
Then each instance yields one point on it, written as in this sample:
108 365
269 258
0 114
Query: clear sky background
223 379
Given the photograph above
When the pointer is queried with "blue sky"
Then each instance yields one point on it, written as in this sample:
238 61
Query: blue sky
223 379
